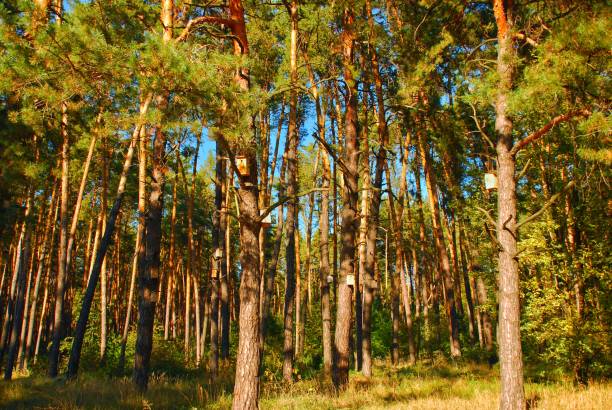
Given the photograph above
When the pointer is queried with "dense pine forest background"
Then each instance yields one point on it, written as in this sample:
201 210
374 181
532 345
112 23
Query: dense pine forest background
305 204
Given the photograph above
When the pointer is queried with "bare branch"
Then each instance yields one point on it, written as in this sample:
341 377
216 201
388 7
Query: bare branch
332 152
284 199
583 112
482 132
524 170
547 205
198 21
487 214
525 38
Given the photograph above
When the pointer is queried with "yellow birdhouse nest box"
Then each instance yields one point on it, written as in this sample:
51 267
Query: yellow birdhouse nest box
243 165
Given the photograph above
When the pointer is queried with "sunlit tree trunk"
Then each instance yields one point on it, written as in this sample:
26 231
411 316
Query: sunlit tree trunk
246 386
369 284
54 353
292 169
509 336
139 245
350 220
449 299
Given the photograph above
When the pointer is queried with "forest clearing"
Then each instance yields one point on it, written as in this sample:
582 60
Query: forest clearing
305 204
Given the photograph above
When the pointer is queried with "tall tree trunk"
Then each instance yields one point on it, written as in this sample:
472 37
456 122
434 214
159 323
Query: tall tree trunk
139 245
246 386
171 262
292 170
369 283
273 262
224 282
424 275
350 220
8 314
324 268
465 269
511 356
218 269
46 249
54 353
79 334
299 311
103 272
149 281
400 274
447 282
21 268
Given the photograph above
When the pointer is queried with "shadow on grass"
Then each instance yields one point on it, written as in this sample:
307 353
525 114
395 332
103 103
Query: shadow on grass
89 391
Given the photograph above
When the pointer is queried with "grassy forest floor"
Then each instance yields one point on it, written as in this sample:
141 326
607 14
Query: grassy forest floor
424 386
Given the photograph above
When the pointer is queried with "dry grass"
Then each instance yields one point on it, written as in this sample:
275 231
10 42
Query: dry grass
440 387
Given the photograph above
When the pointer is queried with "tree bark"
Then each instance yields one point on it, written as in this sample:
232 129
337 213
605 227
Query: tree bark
449 299
43 255
218 262
324 268
292 169
350 220
246 386
511 356
369 283
139 245
54 353
23 251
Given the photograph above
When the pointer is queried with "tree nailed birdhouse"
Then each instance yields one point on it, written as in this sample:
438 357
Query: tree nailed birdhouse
267 220
243 165
218 253
350 280
490 181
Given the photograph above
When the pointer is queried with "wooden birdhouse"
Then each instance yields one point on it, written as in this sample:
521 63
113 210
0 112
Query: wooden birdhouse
267 220
243 165
330 278
490 181
218 253
350 280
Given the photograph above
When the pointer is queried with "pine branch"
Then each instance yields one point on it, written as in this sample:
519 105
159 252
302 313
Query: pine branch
542 131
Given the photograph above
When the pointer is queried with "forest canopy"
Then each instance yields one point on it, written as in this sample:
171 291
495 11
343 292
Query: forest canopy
243 195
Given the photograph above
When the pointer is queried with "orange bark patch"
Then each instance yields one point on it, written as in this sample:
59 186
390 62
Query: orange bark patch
500 18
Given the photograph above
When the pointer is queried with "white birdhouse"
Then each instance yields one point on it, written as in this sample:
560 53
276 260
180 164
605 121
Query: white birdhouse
218 253
490 181
350 280
330 278
267 220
